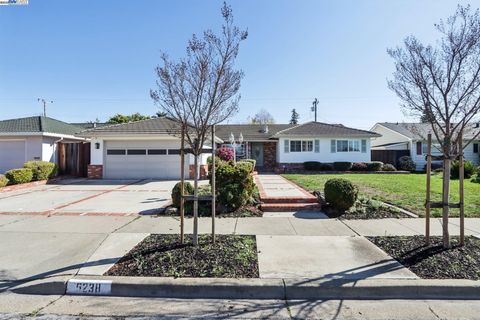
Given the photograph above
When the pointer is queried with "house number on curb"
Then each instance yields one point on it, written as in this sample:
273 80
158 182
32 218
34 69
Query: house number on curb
89 287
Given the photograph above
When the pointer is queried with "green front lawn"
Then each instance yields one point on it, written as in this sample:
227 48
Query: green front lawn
404 190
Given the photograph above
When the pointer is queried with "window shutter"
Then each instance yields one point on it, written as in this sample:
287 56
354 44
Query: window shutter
333 147
364 146
419 148
475 148
286 144
317 146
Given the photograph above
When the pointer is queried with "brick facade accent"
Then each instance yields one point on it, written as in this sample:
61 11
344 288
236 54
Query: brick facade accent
95 171
269 156
203 171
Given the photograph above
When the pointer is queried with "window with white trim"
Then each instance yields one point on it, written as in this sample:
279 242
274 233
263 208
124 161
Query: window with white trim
301 145
348 145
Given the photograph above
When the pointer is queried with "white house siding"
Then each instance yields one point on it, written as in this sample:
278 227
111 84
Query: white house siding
49 148
421 162
324 155
388 136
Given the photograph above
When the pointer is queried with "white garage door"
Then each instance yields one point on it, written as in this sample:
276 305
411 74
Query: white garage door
12 154
142 160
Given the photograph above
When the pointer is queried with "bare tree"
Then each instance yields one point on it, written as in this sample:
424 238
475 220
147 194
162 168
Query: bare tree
201 90
262 117
442 84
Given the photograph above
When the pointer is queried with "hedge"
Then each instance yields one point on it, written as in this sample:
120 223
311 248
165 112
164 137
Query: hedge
3 181
234 184
18 176
374 166
42 170
342 165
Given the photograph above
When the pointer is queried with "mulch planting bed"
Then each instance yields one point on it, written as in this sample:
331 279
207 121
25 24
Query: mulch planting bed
162 255
369 214
433 261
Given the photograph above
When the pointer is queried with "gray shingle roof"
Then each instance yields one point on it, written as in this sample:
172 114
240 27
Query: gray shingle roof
316 129
89 125
419 131
161 125
37 124
250 132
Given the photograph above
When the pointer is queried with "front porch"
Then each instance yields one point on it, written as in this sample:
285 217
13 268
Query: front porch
265 153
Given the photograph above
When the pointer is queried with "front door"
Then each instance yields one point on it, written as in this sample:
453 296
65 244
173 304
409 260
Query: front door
257 153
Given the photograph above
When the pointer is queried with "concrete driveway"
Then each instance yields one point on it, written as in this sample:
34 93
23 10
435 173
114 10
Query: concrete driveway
90 197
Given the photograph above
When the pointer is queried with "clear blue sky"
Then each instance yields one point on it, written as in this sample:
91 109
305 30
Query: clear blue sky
97 58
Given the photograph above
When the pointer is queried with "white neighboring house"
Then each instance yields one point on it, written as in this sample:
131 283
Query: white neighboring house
146 149
283 146
412 137
33 138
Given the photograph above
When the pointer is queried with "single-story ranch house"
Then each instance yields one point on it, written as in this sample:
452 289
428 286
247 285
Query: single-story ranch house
146 149
40 138
286 146
397 139
150 148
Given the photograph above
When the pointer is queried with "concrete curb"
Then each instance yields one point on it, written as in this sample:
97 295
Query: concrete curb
291 289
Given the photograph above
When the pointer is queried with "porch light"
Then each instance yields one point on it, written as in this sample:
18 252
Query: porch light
97 145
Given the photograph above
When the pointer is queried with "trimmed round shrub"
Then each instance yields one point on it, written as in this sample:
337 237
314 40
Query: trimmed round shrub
406 163
469 169
3 181
177 194
312 165
42 170
340 193
359 166
374 166
342 165
18 176
226 154
389 167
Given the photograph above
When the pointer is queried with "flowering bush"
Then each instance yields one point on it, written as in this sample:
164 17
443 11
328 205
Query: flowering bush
225 154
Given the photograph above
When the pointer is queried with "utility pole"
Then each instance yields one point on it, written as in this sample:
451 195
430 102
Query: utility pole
44 105
314 107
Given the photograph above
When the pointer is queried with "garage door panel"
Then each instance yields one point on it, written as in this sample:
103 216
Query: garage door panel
12 155
142 166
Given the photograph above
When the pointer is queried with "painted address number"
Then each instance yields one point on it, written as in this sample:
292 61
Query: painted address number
89 287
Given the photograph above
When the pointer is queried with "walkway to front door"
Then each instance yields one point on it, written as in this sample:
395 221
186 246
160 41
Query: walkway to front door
279 194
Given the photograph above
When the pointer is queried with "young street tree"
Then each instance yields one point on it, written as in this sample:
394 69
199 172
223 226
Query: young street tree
442 84
295 116
202 89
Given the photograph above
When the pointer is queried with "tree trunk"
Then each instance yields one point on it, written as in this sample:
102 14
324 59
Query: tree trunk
195 202
445 201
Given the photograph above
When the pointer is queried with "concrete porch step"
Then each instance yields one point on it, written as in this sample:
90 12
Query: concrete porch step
311 199
282 207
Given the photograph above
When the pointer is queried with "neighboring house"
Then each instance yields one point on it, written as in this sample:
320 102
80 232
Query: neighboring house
35 138
410 139
283 146
146 149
